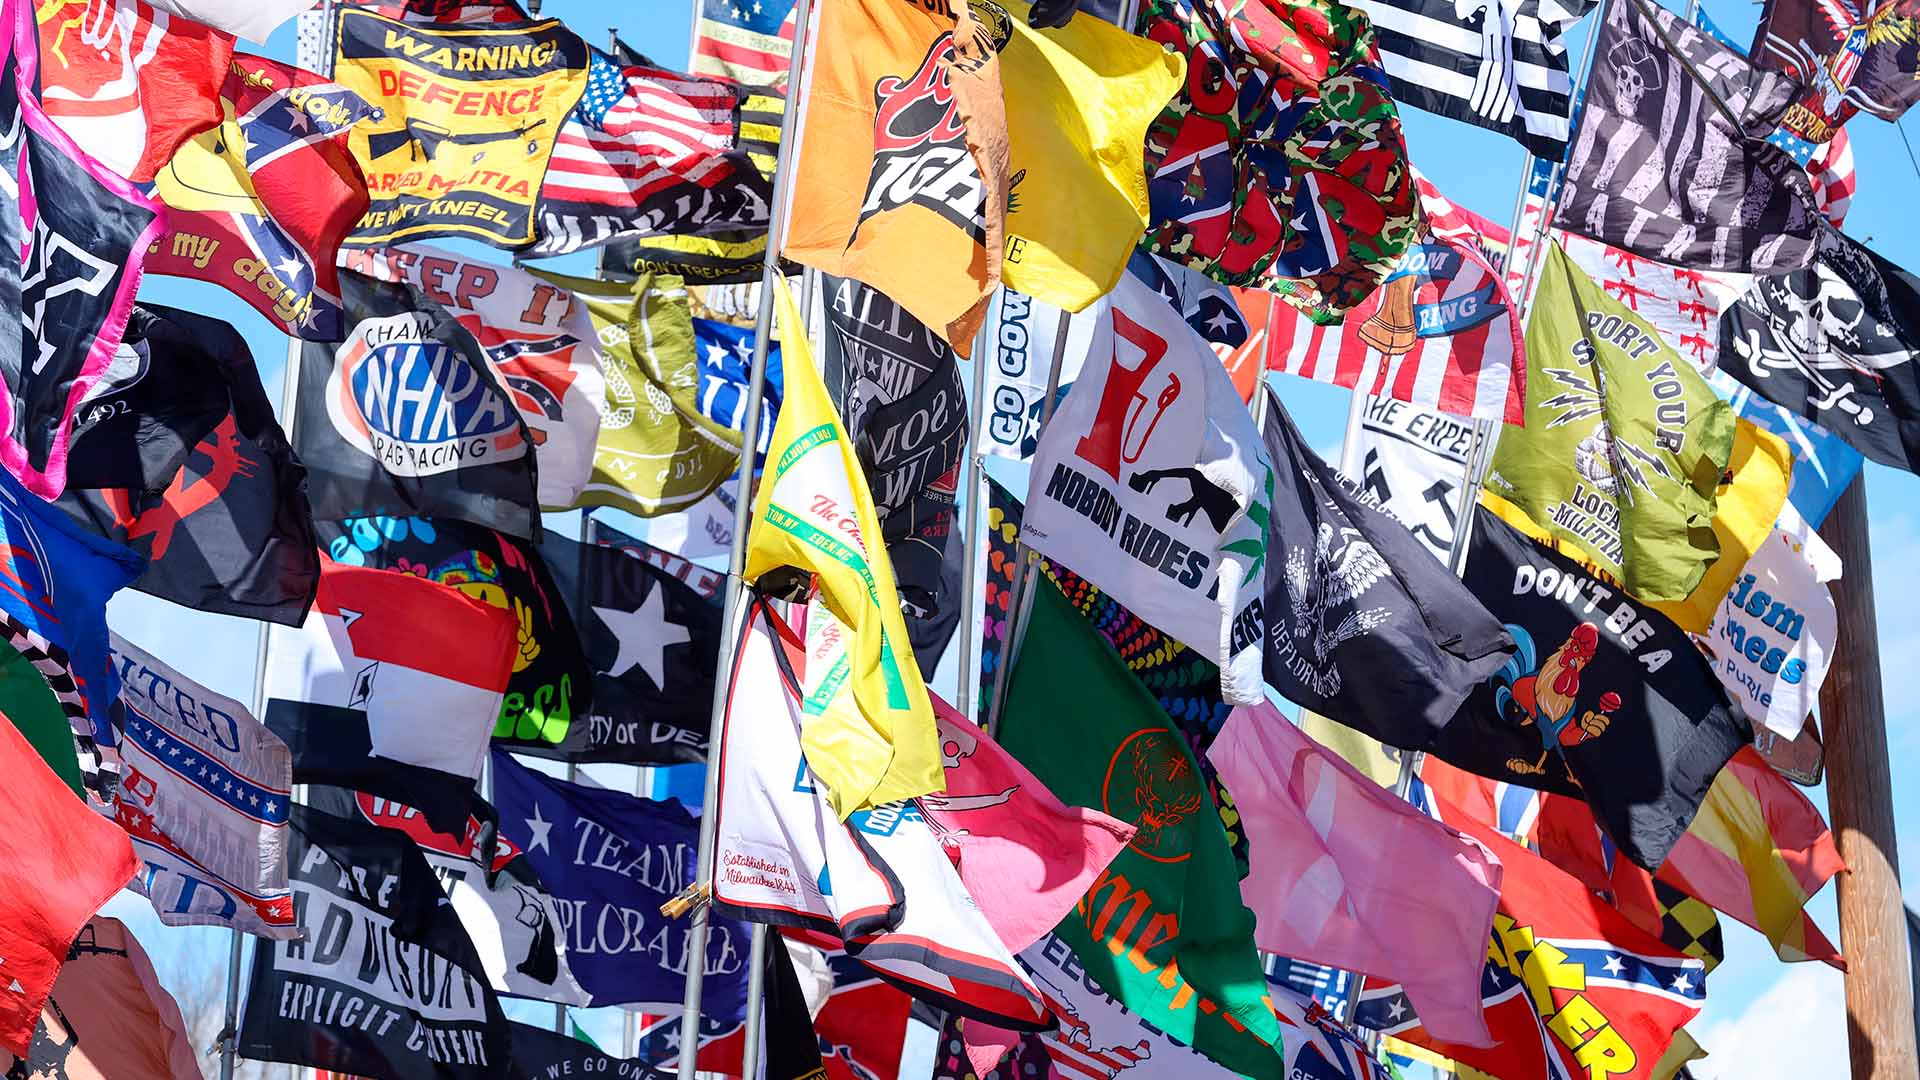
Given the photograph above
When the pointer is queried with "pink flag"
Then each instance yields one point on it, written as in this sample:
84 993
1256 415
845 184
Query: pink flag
1344 873
1024 856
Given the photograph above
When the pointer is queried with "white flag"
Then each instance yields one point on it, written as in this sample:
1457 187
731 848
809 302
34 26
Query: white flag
250 19
878 881
1773 635
1414 461
1152 483
204 792
1019 357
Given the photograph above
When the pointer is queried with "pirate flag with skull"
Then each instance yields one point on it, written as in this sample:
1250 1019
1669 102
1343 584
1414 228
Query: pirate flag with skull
1363 624
1669 161
1834 343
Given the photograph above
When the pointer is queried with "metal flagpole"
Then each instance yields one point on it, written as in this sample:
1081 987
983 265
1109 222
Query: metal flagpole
742 513
1023 581
1542 230
753 1044
967 520
1362 389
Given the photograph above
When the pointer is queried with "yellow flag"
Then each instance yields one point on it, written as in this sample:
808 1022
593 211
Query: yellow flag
813 512
1745 508
1079 102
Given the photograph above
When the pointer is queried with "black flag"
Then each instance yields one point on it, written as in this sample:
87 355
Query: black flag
180 458
1604 699
510 916
384 981
164 391
1363 624
1669 161
403 418
1834 343
539 1054
651 640
551 686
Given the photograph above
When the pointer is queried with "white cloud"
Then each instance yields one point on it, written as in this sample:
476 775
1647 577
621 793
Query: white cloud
1797 1028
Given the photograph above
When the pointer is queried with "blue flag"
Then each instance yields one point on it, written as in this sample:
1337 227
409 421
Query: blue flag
1823 463
726 356
610 860
55 580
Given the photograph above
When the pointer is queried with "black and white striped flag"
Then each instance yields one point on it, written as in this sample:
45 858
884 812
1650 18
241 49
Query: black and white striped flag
1500 64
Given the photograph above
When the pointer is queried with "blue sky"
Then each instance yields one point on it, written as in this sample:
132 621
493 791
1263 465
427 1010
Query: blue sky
1763 1019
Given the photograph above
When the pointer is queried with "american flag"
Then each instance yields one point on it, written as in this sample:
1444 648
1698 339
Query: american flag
1466 357
638 131
1834 181
748 41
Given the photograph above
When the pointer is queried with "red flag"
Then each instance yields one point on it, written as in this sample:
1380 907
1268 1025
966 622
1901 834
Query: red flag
1443 324
1571 988
1757 851
59 861
426 662
260 203
861 1027
128 82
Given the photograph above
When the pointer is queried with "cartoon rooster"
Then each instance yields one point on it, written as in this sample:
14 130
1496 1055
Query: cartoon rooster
1546 697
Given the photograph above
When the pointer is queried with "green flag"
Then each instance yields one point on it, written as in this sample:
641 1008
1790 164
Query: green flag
1162 929
1624 443
27 700
657 454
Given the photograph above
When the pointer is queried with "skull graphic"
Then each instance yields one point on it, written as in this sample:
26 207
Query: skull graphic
1634 74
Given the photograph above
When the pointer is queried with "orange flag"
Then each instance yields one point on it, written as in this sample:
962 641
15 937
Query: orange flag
918 219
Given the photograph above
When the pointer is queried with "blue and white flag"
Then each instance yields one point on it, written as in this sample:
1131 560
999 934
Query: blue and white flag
204 795
610 860
726 359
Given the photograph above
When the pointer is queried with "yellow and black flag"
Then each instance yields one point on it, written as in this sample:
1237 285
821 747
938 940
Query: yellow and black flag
468 121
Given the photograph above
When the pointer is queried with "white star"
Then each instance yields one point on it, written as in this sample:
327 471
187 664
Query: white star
716 355
189 762
290 267
1396 1010
1614 966
744 347
644 635
271 806
1220 321
1681 983
298 121
541 827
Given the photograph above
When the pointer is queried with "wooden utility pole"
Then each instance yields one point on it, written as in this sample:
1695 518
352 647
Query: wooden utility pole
1873 929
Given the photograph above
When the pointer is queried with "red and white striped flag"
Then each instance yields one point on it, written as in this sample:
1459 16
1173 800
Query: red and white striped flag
1831 169
638 131
1457 348
751 44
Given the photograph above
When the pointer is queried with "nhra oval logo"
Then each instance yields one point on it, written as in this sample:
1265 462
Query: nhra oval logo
415 403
